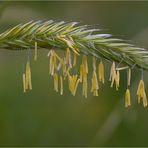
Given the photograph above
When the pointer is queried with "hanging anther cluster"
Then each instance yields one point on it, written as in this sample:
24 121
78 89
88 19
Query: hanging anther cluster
61 68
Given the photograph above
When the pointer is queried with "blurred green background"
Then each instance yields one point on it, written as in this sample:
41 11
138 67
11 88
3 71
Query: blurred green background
44 118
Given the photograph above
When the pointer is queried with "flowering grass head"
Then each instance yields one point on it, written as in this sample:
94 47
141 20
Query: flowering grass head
77 41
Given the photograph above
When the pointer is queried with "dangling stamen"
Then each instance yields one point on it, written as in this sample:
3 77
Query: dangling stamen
76 86
35 51
68 58
24 82
84 87
73 83
61 85
52 62
141 93
95 85
81 72
127 94
101 72
127 98
117 79
83 75
51 65
84 62
112 74
55 76
28 76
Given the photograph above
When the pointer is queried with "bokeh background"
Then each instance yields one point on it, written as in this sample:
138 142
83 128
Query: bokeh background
44 118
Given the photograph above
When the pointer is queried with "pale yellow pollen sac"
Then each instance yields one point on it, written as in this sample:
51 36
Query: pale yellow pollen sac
61 85
81 72
113 75
83 79
76 86
95 85
64 69
74 59
28 81
73 82
83 75
68 58
127 98
117 79
24 83
129 77
141 93
85 63
55 77
35 52
101 72
84 86
52 62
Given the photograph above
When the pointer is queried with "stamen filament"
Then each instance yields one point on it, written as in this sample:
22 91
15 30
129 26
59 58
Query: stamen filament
35 51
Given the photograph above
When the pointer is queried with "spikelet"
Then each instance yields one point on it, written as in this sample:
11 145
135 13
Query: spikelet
117 79
35 51
61 85
55 77
141 93
69 43
101 72
28 82
127 98
24 83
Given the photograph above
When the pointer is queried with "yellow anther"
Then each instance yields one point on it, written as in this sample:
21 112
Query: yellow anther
85 63
127 98
24 83
112 74
95 85
101 72
68 58
61 85
28 82
141 93
129 77
73 82
117 79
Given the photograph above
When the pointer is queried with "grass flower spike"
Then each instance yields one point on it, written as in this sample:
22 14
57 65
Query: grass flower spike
77 42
